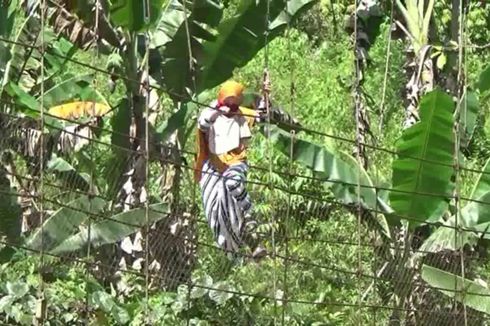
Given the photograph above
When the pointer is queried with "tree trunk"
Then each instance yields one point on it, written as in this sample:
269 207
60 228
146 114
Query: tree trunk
364 25
420 71
171 241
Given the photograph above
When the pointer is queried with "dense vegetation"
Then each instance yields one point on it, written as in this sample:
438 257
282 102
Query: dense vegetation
391 229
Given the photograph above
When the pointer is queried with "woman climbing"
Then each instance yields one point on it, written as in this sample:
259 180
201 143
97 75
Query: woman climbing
224 131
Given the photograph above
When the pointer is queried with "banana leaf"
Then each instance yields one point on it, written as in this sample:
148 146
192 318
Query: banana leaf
422 172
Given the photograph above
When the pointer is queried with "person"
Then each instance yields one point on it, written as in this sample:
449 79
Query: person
224 131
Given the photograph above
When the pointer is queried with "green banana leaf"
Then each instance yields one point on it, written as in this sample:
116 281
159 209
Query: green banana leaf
420 187
26 102
174 122
64 222
216 55
340 175
242 36
469 113
67 174
446 238
478 211
67 90
172 20
14 56
130 14
469 293
173 59
7 19
475 215
121 142
484 80
107 231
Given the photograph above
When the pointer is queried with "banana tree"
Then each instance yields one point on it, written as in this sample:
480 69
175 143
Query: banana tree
420 197
172 27
20 104
417 15
120 29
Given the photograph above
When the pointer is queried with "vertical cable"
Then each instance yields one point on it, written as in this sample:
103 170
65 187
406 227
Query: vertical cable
266 93
461 93
193 78
380 128
91 186
359 162
146 85
290 170
41 305
387 67
286 227
290 174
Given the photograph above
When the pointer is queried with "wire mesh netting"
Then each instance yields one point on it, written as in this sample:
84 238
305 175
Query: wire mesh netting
102 221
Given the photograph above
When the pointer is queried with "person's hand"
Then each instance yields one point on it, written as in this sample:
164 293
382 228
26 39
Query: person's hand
224 109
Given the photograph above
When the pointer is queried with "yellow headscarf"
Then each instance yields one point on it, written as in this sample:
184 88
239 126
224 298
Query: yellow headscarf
227 89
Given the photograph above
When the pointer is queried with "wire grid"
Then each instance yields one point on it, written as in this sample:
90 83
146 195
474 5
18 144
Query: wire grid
175 247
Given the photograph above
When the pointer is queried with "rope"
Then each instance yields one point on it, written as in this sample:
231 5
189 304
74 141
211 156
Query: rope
290 168
147 89
285 300
461 84
193 77
91 186
374 283
339 182
358 158
266 92
333 202
298 128
41 305
132 272
387 68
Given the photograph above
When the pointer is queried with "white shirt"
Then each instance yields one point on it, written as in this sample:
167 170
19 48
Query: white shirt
226 133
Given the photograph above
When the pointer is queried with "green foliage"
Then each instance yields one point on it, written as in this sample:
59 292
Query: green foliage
64 222
239 39
113 229
422 172
417 16
340 176
68 90
477 211
311 71
175 68
474 217
8 14
121 144
470 293
23 100
469 114
484 80
67 174
174 122
242 36
133 16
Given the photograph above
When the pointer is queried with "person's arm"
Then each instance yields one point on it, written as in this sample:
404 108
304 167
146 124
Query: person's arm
278 117
209 116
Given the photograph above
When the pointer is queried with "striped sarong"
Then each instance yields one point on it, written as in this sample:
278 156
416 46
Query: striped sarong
226 203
